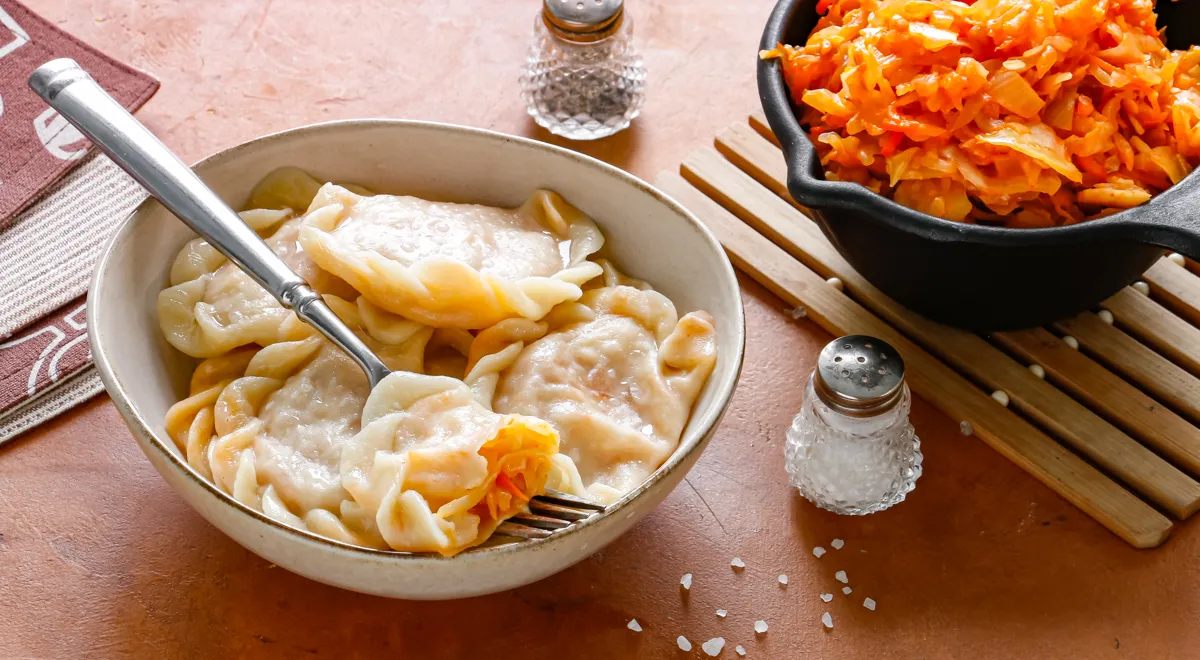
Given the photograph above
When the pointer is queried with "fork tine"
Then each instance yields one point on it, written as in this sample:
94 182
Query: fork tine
553 510
566 499
548 513
509 528
540 522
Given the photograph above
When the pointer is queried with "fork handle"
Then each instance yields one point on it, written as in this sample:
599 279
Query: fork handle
76 96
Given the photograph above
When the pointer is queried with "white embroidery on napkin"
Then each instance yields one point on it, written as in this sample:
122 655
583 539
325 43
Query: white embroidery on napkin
20 37
55 133
75 321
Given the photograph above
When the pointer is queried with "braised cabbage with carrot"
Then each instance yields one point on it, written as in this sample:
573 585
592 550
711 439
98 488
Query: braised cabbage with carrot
1023 113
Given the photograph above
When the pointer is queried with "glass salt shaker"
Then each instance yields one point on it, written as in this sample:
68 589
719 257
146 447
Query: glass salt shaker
583 79
851 448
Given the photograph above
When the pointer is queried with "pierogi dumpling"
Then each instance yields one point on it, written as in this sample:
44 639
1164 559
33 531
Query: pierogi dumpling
290 188
212 306
453 265
436 470
615 373
272 437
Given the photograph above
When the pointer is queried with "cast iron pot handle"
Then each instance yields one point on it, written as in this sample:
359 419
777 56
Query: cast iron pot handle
1171 219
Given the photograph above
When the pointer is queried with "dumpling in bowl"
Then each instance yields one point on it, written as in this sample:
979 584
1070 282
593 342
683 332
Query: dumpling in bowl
290 188
212 306
453 265
616 373
273 435
190 422
435 470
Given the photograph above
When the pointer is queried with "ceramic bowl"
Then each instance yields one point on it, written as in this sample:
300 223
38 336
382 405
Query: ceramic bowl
649 235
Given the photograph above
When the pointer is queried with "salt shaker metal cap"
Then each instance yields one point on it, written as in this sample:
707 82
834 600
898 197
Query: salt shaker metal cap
583 20
859 376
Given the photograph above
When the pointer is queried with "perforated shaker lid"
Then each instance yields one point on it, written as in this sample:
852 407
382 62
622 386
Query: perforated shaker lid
858 375
583 20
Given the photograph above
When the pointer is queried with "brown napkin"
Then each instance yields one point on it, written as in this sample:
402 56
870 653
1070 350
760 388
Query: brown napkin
51 227
37 146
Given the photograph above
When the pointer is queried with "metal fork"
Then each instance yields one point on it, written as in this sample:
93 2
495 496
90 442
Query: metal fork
549 513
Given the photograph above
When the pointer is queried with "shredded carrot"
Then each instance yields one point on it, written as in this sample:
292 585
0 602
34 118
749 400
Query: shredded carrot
1026 113
1084 107
889 143
1089 165
506 483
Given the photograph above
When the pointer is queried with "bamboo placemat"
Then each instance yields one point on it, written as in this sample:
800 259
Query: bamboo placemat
1103 407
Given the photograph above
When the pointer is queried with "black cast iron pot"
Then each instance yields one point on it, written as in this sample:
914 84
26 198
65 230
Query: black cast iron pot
975 276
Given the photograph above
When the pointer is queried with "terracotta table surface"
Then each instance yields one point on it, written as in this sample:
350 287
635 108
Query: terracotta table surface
99 558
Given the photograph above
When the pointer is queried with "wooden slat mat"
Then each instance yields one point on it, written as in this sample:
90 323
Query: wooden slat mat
1104 407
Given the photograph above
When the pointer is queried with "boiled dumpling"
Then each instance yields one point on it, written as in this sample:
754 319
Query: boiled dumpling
273 436
616 373
436 470
446 354
212 306
453 265
290 188
190 422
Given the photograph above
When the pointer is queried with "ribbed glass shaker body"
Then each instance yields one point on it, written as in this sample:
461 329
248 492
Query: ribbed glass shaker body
583 81
851 448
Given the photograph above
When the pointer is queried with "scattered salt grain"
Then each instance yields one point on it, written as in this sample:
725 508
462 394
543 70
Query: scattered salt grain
1106 316
1177 258
737 563
686 581
1071 341
760 626
818 551
1001 397
841 577
846 590
1037 370
966 429
1142 288
869 604
783 579
836 283
713 646
722 613
684 644
739 650
827 620
797 313
826 597
634 625
837 544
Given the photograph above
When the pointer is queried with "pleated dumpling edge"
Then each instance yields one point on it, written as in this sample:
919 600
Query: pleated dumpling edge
453 265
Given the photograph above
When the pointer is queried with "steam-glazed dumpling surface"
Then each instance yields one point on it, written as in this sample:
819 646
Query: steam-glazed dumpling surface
616 374
453 265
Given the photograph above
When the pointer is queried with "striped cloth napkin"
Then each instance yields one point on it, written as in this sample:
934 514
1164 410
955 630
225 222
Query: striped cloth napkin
59 202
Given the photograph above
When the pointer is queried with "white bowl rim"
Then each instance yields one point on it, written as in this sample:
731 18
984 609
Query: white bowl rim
690 443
